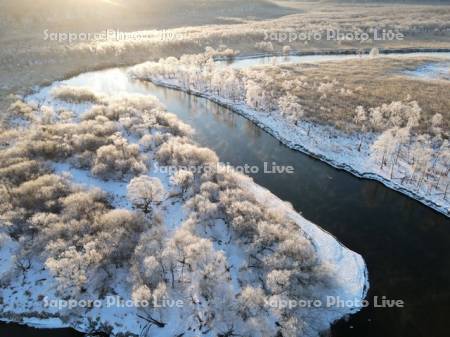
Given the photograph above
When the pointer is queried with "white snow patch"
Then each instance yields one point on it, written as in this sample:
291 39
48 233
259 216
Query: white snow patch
8 248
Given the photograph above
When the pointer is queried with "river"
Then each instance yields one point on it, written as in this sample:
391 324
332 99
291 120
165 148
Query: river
404 243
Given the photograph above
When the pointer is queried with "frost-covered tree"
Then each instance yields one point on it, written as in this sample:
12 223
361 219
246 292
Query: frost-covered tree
290 108
436 124
374 52
145 190
254 94
150 263
252 302
72 268
360 120
141 294
383 146
279 280
286 50
184 179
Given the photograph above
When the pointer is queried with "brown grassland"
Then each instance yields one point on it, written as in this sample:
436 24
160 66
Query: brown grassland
364 82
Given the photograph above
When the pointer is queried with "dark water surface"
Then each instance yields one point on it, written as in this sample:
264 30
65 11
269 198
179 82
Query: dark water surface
16 330
405 244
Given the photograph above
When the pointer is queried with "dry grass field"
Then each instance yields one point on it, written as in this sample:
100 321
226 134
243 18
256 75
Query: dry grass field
339 87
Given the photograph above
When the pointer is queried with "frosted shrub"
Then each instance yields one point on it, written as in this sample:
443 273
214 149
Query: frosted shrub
228 53
243 215
149 262
173 124
222 51
22 171
211 190
160 292
152 270
209 264
75 94
147 142
104 239
20 108
395 114
88 142
122 106
325 87
436 124
264 46
47 115
119 231
278 281
204 208
100 126
178 153
41 194
84 204
75 221
117 160
47 142
183 179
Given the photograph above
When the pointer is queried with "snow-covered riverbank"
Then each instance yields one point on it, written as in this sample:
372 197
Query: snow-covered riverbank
324 143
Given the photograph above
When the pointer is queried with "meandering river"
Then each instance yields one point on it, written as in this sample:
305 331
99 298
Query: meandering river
405 244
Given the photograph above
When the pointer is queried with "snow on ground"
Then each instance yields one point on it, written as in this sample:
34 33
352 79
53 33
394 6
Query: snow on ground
7 249
34 299
116 189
